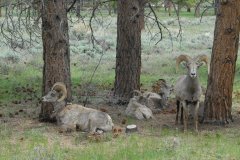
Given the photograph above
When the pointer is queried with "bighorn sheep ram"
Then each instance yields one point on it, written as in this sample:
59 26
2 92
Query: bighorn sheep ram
188 89
74 115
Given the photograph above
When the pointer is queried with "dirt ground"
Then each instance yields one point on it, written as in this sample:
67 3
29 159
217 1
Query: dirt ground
22 119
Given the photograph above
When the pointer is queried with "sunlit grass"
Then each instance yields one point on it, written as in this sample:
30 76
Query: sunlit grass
170 144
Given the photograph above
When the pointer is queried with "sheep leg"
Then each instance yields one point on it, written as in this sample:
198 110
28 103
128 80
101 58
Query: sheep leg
92 127
66 128
181 116
185 115
196 116
178 105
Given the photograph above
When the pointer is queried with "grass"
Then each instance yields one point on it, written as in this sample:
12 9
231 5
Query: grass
22 137
171 144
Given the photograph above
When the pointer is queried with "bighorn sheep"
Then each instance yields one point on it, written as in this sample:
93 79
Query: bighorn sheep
164 90
188 89
74 115
137 108
200 111
141 105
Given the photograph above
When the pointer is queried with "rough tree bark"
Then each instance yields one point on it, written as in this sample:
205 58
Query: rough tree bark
128 57
142 21
218 101
56 54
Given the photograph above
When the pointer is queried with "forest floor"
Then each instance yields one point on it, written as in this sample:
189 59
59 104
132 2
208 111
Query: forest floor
22 136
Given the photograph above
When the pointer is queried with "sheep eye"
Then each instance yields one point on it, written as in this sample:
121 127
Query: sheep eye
199 64
53 94
187 64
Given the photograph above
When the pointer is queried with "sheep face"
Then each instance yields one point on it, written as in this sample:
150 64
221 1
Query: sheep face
165 92
51 96
192 68
142 100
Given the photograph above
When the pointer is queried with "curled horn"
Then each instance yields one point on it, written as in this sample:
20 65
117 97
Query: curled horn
181 58
203 58
60 87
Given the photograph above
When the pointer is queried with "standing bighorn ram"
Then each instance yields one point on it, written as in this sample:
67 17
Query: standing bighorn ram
188 89
74 115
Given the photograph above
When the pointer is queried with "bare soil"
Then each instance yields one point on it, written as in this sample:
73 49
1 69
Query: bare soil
21 120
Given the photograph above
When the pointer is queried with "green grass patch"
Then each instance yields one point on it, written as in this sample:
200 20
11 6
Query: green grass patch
170 144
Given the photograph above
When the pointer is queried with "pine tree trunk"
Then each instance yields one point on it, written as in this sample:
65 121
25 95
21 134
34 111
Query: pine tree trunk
128 58
142 21
56 54
197 11
218 101
178 9
109 7
78 9
1 8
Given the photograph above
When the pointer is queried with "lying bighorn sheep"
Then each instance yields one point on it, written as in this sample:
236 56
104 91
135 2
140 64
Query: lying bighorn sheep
188 89
141 106
164 90
150 99
137 108
74 115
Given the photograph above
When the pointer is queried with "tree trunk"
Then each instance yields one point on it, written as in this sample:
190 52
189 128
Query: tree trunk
178 9
197 11
169 10
109 8
218 100
142 21
1 8
56 54
78 9
168 5
128 58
